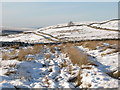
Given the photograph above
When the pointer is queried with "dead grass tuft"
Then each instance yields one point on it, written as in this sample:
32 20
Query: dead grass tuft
113 51
46 81
86 67
52 49
112 42
70 69
50 69
16 46
114 74
9 56
77 57
23 52
21 55
89 85
91 45
78 80
9 73
48 56
64 64
93 64
36 49
5 56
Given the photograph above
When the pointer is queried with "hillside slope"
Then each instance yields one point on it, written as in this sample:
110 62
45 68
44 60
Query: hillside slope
66 32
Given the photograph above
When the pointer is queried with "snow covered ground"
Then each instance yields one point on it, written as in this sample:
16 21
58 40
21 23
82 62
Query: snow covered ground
109 25
30 38
49 72
63 32
81 33
33 74
52 67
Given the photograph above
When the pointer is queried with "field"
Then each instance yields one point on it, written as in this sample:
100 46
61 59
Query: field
70 55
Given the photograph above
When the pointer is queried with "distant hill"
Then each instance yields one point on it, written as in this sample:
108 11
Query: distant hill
13 30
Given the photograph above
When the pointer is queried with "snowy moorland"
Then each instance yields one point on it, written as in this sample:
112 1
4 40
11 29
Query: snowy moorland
91 62
67 32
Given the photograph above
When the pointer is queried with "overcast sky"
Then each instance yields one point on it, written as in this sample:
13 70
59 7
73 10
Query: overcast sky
39 14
